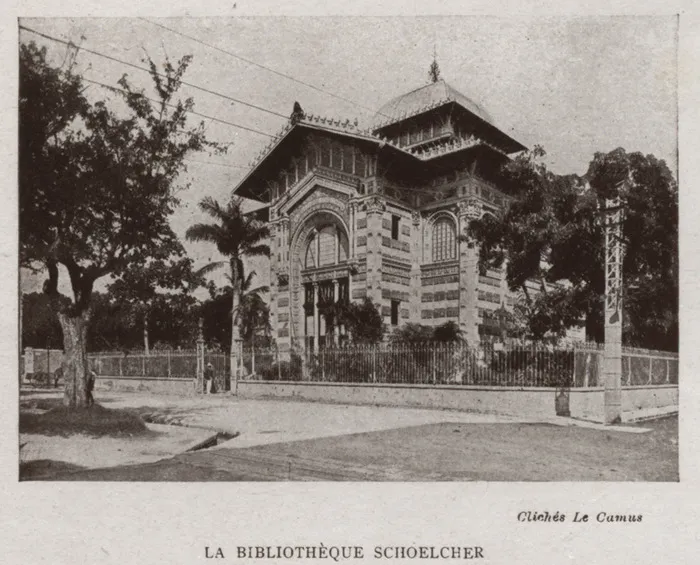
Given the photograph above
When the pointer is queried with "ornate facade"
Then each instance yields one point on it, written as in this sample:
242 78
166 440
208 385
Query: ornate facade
377 213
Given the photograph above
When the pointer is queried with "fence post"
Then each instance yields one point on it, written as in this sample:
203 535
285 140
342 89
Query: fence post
651 360
434 363
121 372
668 376
169 367
252 358
143 365
279 367
374 362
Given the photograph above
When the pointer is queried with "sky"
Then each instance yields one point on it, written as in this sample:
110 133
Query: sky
574 85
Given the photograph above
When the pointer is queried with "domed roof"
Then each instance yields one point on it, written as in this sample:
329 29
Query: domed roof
421 99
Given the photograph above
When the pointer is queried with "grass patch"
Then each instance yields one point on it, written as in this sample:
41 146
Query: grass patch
94 421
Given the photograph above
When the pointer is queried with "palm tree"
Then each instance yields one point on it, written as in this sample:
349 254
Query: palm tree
235 235
253 313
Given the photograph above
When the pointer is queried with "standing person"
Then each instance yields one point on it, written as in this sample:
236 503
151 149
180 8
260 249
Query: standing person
90 387
208 378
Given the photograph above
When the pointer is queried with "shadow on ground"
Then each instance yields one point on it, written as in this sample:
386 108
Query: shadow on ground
45 469
434 452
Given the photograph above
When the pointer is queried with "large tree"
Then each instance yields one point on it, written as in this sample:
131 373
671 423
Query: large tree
236 235
163 282
97 185
552 234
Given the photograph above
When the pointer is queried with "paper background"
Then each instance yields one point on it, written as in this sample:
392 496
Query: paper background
171 523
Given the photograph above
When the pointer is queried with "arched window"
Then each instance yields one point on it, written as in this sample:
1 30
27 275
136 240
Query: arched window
327 246
444 240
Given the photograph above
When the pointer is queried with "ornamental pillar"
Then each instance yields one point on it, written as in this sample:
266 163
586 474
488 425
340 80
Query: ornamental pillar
317 337
336 296
375 208
415 297
468 274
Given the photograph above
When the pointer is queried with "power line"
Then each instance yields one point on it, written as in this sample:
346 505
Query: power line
114 88
249 62
144 69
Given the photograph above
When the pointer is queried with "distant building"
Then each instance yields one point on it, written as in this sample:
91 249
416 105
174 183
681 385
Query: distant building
376 213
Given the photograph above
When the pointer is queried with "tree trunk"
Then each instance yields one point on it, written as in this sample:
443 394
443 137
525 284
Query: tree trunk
235 333
75 366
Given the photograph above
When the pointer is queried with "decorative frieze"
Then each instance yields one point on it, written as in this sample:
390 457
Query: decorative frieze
449 279
406 281
437 313
359 293
404 314
492 297
283 301
394 295
440 296
361 241
394 244
361 223
489 281
439 269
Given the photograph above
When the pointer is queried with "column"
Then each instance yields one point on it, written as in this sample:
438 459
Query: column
416 288
336 327
375 208
316 324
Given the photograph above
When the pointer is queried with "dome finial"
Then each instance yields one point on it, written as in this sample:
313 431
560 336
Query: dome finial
434 72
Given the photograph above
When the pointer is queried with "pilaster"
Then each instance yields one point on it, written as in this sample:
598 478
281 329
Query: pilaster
468 210
415 288
375 208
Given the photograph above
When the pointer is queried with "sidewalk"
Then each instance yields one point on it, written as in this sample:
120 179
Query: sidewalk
257 422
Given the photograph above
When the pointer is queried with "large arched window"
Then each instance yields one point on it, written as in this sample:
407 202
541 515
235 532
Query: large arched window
327 246
444 240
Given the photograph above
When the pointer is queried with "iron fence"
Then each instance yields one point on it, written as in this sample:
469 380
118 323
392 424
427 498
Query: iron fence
163 364
489 364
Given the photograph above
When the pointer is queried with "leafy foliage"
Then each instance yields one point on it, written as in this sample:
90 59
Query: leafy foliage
235 235
362 320
253 314
97 187
415 334
40 327
552 236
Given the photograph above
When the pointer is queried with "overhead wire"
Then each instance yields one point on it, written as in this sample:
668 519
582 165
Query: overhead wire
239 126
144 69
203 89
259 65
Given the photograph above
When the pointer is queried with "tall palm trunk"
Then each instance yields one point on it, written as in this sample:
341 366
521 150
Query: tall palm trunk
235 332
